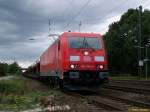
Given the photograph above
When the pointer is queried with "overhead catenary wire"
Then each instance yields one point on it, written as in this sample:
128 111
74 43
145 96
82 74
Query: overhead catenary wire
61 16
88 20
49 25
77 14
66 9
94 19
146 5
105 15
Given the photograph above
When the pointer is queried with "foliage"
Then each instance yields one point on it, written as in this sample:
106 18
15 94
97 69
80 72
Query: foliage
3 69
124 77
14 86
6 69
14 68
15 95
121 41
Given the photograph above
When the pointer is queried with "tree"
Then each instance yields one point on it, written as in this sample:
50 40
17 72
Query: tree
3 69
121 41
14 68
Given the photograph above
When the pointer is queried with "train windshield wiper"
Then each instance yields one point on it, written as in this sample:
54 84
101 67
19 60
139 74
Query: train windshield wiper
82 43
87 45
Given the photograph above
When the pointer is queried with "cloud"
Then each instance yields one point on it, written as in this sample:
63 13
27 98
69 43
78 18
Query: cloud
22 20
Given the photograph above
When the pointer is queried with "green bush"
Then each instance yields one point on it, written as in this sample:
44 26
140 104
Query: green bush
16 96
14 86
17 102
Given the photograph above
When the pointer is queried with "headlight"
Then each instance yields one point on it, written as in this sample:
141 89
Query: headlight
72 66
99 58
86 53
74 58
101 66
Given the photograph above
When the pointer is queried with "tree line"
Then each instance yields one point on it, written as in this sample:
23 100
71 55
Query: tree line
122 42
9 69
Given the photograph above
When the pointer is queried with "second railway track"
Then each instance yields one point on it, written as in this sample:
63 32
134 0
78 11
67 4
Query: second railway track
119 96
141 87
108 101
127 88
126 97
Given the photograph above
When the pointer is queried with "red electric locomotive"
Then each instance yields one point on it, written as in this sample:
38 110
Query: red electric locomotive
75 59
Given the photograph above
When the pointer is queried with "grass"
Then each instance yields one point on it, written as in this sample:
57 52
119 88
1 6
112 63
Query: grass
126 77
16 96
14 86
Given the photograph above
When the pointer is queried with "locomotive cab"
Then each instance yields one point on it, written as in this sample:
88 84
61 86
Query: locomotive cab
86 62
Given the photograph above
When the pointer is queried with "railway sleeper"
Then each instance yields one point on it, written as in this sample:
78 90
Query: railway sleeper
108 94
128 89
106 103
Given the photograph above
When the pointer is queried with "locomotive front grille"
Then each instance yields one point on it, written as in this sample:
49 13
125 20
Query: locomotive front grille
81 75
74 75
85 77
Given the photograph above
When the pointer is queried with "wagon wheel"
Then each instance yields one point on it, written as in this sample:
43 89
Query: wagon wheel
51 82
61 84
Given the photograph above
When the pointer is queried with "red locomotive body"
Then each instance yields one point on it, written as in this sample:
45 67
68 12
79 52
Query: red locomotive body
75 58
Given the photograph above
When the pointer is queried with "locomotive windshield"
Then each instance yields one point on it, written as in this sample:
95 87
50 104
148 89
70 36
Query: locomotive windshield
78 42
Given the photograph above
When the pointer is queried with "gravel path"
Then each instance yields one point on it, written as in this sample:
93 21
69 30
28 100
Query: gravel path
6 77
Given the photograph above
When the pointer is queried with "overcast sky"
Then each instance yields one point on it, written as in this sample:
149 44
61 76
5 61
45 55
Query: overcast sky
23 20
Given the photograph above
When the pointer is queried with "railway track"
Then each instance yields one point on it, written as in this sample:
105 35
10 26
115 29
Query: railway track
131 96
126 97
132 82
110 98
119 97
108 102
135 86
140 90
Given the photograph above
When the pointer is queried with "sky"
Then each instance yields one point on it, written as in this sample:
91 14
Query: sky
24 24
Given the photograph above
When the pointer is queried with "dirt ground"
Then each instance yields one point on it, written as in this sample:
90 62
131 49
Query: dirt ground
55 100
